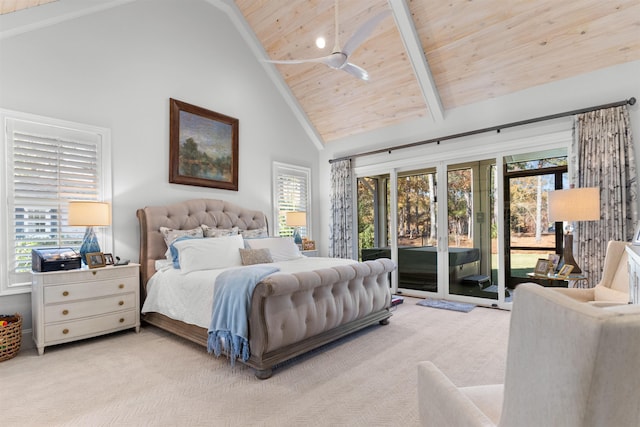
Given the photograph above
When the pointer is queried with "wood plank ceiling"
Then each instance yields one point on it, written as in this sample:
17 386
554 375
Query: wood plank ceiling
474 50
427 57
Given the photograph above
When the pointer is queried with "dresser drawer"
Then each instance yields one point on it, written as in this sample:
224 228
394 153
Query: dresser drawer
77 309
85 275
76 291
67 331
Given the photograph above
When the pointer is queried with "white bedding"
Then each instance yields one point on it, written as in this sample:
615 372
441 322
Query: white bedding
189 297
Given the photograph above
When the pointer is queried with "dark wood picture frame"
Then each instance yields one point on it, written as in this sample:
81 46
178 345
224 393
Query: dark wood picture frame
108 259
203 147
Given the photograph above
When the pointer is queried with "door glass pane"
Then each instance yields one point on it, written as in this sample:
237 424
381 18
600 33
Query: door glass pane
417 231
471 229
373 217
532 235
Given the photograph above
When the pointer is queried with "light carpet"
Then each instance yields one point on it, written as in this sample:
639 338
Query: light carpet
154 378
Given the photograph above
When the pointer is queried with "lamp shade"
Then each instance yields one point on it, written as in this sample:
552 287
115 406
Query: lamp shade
296 219
575 204
89 214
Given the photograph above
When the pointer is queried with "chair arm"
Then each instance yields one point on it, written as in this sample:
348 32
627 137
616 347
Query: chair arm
441 403
602 293
580 294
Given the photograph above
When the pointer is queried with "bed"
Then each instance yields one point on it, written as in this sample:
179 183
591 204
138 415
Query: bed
292 311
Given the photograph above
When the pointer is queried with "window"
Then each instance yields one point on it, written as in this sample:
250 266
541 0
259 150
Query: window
291 193
48 163
528 178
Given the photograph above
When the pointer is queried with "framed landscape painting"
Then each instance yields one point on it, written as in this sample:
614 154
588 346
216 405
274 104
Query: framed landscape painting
203 147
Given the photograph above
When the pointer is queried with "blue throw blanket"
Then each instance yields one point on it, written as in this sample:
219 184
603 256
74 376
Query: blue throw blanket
229 329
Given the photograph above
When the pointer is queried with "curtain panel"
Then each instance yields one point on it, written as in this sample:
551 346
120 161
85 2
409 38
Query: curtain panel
341 214
604 155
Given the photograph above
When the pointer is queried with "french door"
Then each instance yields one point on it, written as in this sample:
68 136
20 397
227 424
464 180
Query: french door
403 219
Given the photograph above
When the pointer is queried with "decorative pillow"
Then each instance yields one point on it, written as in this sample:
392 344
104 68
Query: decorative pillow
255 256
281 248
218 232
255 233
170 235
209 254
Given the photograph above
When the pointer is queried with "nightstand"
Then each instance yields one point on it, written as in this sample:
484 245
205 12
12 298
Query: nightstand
310 253
72 305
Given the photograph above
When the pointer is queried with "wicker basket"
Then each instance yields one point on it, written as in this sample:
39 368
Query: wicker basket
10 336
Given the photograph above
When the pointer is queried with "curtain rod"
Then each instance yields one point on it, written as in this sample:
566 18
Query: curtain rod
630 101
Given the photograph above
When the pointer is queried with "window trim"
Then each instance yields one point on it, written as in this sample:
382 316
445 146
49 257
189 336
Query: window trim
278 169
105 187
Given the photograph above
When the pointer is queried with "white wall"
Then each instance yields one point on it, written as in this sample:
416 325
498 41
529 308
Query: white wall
596 88
118 68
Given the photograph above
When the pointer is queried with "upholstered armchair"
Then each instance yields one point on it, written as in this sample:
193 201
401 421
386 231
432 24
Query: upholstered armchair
568 364
614 285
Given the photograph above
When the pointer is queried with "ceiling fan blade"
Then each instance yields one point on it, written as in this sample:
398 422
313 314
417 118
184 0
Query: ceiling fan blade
297 61
356 71
364 32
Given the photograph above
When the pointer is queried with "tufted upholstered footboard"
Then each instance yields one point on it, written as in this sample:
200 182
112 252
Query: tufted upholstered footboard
294 313
291 314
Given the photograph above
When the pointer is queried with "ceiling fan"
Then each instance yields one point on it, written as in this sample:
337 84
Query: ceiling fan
339 58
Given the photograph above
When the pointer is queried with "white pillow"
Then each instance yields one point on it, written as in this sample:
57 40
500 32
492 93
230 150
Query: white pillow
209 254
281 248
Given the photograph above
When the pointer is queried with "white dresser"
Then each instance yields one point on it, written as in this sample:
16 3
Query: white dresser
634 274
76 304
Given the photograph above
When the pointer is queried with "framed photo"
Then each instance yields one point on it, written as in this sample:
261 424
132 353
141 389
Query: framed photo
203 147
108 259
95 259
309 245
565 270
542 267
636 236
554 260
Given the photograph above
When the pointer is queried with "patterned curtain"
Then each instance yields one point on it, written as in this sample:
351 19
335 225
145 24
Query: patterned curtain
605 159
341 215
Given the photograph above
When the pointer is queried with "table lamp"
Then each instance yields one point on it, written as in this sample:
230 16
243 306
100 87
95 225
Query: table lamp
574 204
297 220
89 214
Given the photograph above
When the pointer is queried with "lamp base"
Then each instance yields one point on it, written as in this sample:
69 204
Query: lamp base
89 244
297 239
567 255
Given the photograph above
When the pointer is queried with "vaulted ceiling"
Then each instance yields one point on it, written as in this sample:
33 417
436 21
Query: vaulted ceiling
428 56
425 57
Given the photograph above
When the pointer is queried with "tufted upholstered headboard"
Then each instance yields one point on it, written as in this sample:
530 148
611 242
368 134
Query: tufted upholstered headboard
184 216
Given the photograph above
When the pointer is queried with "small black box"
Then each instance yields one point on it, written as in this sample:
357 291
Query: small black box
56 259
477 280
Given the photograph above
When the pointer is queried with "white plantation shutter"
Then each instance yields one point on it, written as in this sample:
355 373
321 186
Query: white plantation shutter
291 186
48 165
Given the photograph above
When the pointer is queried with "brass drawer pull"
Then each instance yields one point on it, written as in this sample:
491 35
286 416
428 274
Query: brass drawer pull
120 302
65 331
121 286
94 272
65 312
121 320
65 293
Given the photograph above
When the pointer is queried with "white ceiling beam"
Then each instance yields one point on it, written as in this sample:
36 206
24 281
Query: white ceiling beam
412 44
230 8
